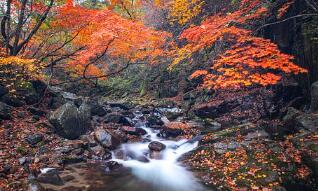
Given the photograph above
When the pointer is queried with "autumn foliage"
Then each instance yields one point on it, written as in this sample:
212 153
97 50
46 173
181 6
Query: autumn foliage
104 32
248 60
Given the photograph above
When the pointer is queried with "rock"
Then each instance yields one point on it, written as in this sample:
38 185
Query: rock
3 90
308 122
36 111
5 111
98 110
215 109
33 139
117 118
154 120
22 160
214 126
289 120
100 153
21 114
39 86
156 146
170 133
51 177
71 122
106 139
12 101
31 98
259 134
123 106
35 186
134 130
72 159
314 97
224 147
113 166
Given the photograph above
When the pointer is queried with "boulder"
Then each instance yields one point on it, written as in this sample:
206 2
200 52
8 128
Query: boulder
106 139
154 120
118 118
122 106
5 111
156 146
314 97
71 122
170 133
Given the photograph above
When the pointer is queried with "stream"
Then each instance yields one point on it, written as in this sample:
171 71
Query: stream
144 170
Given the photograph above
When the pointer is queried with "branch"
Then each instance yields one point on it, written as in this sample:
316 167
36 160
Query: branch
287 19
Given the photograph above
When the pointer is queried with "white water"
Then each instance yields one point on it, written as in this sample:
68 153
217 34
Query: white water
165 173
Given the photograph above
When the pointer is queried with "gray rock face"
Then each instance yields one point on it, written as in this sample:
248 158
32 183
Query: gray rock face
51 177
308 122
33 139
221 147
70 121
314 97
3 90
106 139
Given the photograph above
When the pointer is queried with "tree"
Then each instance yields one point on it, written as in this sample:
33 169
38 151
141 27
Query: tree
21 21
107 39
248 60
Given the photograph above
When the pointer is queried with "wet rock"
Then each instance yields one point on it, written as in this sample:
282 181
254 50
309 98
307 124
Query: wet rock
116 117
100 153
72 188
156 146
36 111
72 159
23 160
51 177
5 111
170 133
71 122
113 166
314 97
106 139
33 139
35 186
134 130
214 126
31 98
89 140
68 178
154 120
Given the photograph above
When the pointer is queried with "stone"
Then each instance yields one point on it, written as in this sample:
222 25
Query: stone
35 186
156 146
3 90
221 147
106 139
98 110
5 111
50 177
71 122
12 101
39 86
154 120
308 122
113 166
134 130
116 117
36 111
170 133
33 139
314 97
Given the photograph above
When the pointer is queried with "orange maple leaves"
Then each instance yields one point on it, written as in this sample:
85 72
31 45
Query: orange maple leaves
101 31
249 60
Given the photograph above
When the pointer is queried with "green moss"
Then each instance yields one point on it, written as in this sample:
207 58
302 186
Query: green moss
313 147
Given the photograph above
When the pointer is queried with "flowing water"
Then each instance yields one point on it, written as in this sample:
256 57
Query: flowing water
163 171
144 170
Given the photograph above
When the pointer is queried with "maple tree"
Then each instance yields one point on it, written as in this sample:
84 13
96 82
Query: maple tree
248 60
114 38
